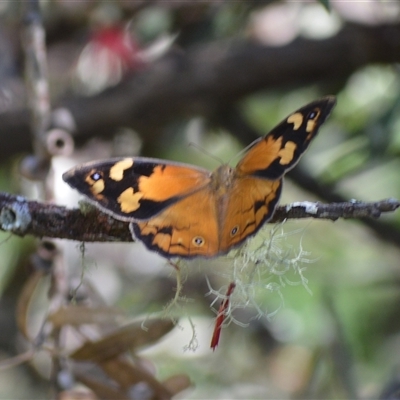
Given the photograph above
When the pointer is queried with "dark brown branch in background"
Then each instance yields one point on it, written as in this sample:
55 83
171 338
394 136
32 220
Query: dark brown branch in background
205 79
23 217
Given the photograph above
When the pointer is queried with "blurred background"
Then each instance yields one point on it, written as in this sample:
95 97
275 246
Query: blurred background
320 317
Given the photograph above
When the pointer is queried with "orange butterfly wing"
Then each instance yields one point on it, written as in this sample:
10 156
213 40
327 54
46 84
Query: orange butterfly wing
188 228
174 200
136 189
258 176
280 150
252 202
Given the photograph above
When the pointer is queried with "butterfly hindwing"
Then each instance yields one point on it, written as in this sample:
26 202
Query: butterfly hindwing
252 202
189 228
136 189
280 150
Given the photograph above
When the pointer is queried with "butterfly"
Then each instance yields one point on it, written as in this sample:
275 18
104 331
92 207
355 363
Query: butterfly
180 210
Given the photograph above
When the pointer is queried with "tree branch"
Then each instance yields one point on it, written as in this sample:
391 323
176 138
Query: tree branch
25 217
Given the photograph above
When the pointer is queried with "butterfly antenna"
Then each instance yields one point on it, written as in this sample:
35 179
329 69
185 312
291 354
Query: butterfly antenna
204 151
243 151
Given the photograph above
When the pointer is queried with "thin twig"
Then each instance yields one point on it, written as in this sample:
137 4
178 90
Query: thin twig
33 39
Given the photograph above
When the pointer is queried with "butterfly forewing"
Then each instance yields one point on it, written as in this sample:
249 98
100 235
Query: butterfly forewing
280 150
135 189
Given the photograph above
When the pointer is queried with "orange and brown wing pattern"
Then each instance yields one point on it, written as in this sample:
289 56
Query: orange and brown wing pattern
136 189
280 150
189 228
203 225
258 176
251 203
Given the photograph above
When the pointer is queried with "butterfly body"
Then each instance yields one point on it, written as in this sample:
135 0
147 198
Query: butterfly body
180 210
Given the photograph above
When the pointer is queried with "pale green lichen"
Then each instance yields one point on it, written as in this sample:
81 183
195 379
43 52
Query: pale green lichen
264 265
